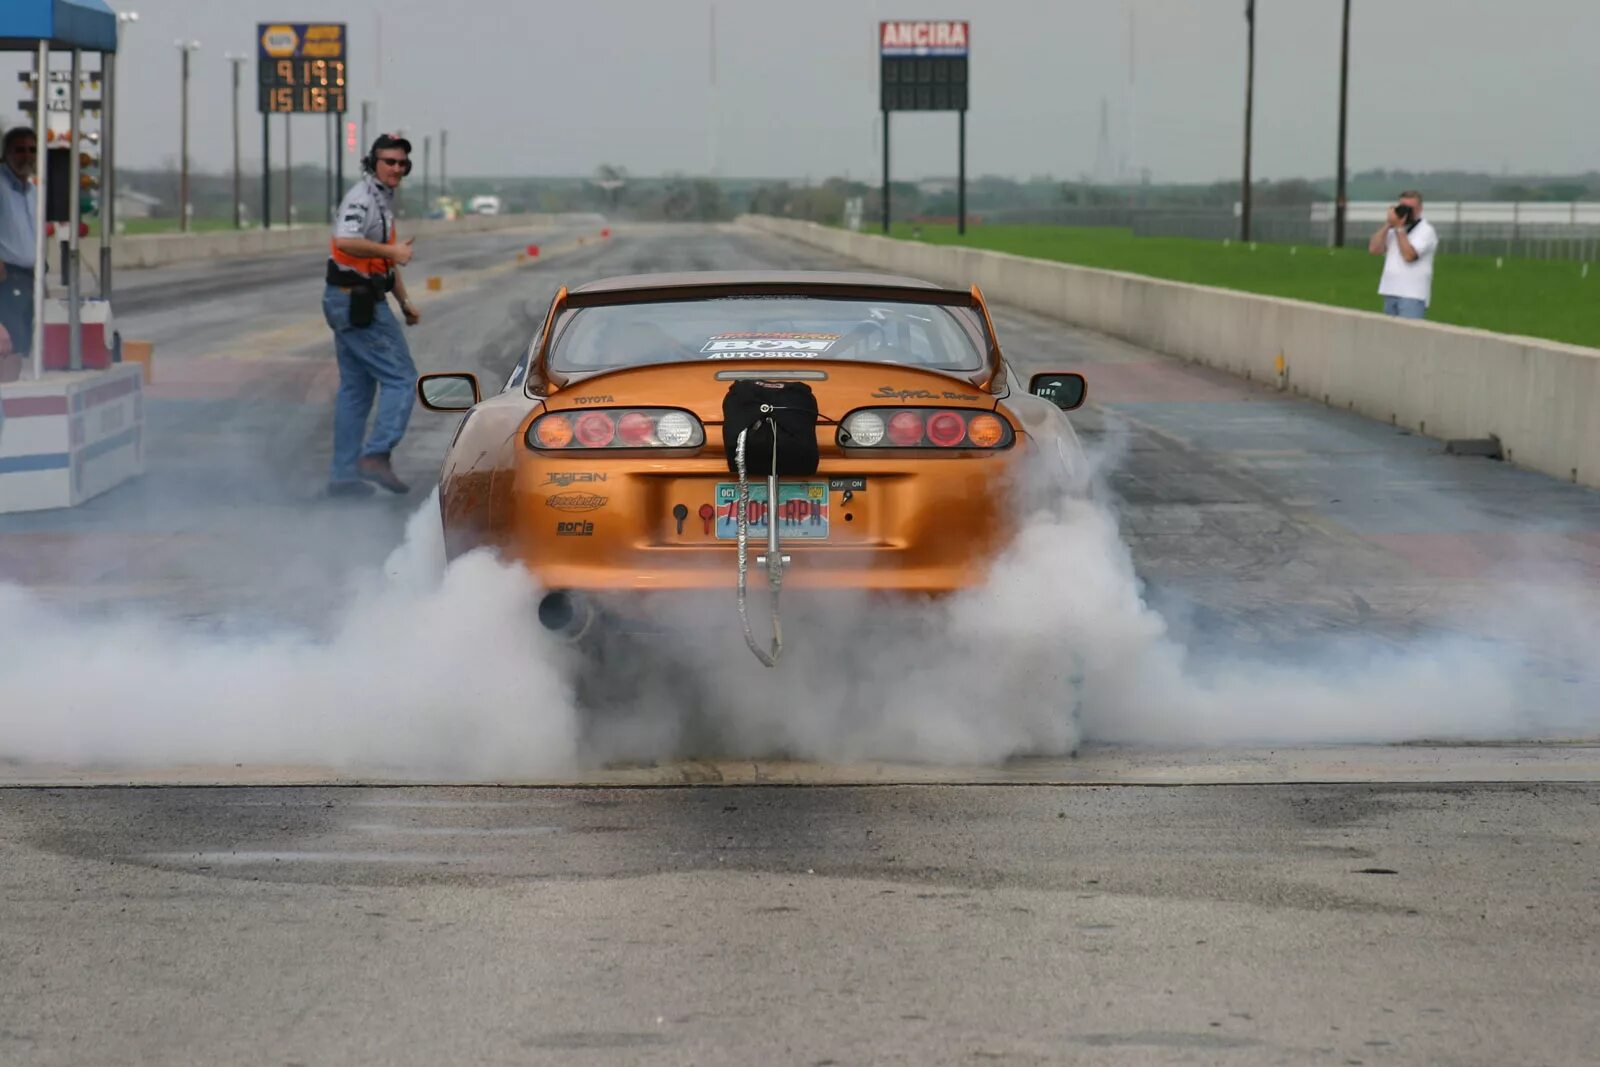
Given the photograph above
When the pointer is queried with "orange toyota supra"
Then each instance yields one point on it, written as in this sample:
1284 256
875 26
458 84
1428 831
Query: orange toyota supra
709 431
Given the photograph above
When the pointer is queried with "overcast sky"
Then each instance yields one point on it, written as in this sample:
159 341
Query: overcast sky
546 87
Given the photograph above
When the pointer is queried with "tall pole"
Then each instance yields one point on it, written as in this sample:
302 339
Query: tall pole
427 151
338 165
266 171
288 173
74 215
184 48
330 141
41 252
961 173
108 166
713 109
238 197
885 170
1249 108
1344 102
444 158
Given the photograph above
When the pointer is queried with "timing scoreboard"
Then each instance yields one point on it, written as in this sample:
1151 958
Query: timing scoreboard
923 65
300 67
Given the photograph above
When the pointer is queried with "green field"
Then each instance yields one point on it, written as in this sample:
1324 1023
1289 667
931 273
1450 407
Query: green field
137 227
1536 298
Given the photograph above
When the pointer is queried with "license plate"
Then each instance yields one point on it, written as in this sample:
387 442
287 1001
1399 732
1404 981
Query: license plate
802 511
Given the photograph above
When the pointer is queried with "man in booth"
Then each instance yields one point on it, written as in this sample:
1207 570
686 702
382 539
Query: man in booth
19 159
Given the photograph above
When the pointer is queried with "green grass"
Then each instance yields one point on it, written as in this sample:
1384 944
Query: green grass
1535 298
139 227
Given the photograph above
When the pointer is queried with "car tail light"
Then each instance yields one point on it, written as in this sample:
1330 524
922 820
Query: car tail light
986 431
905 428
552 431
946 429
612 428
924 428
595 429
635 428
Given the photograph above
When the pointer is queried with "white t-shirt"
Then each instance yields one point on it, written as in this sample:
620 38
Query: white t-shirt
1412 280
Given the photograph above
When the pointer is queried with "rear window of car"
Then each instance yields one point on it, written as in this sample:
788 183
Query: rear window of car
733 329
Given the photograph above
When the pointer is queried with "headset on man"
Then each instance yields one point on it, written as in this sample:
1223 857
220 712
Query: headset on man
369 162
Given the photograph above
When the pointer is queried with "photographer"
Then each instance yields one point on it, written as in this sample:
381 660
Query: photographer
1407 242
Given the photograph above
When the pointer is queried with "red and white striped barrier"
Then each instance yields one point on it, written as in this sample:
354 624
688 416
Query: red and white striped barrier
70 436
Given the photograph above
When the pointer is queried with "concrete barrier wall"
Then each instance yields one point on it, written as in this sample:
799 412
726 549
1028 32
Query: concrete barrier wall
167 249
1540 398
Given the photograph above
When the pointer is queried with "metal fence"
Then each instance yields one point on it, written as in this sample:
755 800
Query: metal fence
1531 231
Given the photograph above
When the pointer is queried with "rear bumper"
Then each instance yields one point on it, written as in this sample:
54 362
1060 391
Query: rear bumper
716 569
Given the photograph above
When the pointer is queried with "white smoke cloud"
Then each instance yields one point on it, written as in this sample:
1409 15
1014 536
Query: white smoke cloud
445 673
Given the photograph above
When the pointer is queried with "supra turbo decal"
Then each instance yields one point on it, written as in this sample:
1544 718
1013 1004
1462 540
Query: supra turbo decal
886 392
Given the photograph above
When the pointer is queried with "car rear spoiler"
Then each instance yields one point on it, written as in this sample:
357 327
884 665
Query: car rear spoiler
972 299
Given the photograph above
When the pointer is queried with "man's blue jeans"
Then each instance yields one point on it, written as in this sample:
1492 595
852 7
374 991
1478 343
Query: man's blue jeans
371 358
1405 307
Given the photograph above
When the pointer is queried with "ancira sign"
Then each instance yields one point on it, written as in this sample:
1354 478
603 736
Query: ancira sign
922 66
923 38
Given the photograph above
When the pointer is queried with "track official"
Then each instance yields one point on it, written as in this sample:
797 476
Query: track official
364 265
19 156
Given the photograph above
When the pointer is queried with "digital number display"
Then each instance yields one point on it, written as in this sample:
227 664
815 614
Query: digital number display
923 83
301 68
290 85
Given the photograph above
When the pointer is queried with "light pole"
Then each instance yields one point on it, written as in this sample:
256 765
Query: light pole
1344 102
108 155
1249 103
236 60
184 48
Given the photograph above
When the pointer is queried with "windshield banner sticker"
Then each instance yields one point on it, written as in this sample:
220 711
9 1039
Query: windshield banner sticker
777 345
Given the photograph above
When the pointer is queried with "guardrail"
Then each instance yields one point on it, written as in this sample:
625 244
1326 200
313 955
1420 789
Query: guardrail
165 250
1537 397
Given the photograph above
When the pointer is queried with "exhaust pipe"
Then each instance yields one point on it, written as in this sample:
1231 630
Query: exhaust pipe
567 615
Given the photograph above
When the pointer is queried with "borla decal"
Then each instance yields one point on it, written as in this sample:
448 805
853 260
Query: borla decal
576 501
574 529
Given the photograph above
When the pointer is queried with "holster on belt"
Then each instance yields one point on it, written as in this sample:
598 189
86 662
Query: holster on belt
365 292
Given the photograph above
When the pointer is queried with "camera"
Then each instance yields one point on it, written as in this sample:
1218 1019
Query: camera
1404 211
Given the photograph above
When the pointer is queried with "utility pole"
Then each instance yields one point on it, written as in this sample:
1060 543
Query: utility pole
427 151
184 48
444 181
236 60
288 174
1344 102
714 113
1249 107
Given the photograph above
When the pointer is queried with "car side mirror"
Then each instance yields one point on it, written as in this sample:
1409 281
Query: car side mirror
448 392
1066 391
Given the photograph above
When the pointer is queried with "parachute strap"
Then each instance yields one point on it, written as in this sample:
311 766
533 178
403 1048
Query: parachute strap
773 560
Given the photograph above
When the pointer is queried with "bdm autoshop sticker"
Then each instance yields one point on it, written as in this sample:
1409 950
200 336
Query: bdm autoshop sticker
576 501
776 345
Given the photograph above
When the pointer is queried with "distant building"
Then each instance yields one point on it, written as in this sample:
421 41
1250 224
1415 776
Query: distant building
135 205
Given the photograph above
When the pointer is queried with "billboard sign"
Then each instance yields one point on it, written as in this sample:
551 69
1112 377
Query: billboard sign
927 38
